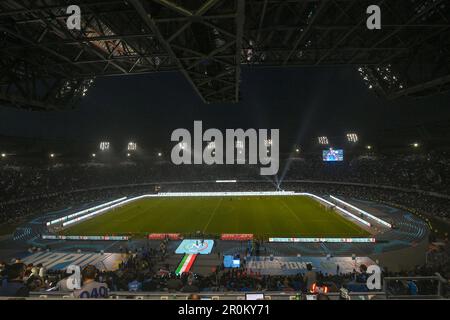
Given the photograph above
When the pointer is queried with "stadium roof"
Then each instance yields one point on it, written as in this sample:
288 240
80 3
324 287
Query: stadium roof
45 66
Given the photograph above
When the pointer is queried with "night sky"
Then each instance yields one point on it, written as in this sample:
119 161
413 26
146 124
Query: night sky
302 102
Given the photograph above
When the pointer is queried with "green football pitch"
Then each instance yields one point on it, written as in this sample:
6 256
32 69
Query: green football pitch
269 216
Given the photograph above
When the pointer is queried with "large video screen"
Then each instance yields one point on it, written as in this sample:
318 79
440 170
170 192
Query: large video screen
332 155
231 262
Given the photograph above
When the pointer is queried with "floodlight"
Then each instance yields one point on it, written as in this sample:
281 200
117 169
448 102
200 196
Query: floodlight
352 137
183 145
323 140
104 146
132 146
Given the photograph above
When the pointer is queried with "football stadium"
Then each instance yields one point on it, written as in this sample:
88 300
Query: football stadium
227 150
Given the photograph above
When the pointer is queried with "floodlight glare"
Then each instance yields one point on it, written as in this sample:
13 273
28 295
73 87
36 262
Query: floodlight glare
94 155
323 140
352 137
52 155
104 146
3 155
132 146
183 145
415 145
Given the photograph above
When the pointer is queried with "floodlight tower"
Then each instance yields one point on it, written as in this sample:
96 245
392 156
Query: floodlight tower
132 146
104 146
323 140
352 137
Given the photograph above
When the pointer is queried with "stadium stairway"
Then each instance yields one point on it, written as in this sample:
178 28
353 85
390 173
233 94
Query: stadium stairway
22 234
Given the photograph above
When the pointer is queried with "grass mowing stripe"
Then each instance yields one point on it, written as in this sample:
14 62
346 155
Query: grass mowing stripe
290 210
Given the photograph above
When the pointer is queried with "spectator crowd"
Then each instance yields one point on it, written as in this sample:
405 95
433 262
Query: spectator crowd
419 183
141 272
422 181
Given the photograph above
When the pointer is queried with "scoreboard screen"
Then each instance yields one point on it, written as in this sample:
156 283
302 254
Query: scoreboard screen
332 155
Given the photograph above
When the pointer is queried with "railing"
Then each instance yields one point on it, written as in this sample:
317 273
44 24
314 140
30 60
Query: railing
436 279
231 296
210 295
385 294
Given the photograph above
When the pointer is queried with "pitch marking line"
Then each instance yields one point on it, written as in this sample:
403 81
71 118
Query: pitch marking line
213 214
292 212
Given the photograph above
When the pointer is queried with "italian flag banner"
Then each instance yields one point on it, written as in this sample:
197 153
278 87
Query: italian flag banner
186 263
